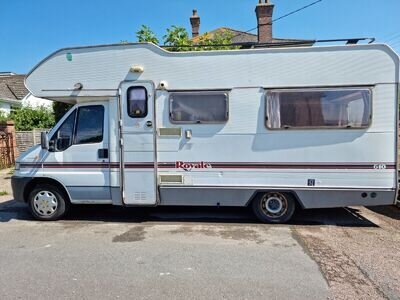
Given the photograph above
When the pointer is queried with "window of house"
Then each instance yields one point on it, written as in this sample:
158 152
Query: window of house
137 101
333 108
63 137
198 107
89 124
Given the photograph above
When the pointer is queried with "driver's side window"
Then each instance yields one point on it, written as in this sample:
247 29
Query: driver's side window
63 137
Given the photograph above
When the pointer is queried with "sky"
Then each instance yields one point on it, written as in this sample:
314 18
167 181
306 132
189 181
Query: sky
32 29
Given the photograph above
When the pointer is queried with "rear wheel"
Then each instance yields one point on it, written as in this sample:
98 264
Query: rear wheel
274 207
48 202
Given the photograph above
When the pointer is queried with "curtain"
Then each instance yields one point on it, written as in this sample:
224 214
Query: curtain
274 110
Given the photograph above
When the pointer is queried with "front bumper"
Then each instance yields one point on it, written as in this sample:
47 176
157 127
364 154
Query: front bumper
18 185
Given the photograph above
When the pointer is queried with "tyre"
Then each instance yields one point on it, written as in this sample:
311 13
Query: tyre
48 203
274 207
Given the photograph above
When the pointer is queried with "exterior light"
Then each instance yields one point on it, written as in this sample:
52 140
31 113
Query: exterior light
137 69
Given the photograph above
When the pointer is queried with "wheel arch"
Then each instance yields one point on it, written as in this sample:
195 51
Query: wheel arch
285 191
44 180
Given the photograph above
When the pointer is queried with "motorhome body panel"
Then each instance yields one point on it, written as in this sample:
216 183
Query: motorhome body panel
226 162
242 196
100 70
243 157
244 152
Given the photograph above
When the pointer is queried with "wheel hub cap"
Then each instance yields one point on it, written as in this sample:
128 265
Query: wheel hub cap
45 203
274 205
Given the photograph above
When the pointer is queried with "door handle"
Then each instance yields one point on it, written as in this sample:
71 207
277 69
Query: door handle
149 124
102 153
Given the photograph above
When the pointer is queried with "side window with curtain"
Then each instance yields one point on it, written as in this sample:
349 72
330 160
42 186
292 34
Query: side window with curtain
137 101
198 107
318 108
89 125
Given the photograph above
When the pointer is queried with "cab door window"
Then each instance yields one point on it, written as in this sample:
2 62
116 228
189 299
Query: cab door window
63 137
84 125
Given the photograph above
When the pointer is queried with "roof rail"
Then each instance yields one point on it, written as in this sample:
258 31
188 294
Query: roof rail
350 41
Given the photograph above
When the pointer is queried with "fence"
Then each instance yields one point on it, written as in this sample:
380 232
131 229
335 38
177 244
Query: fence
26 139
8 149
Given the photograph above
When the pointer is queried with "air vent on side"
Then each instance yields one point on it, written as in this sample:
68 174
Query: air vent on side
171 179
173 131
140 196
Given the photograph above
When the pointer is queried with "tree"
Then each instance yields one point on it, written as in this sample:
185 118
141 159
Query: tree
28 118
208 42
60 109
145 34
177 36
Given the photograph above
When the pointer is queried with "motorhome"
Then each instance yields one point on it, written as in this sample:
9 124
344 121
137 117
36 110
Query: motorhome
272 128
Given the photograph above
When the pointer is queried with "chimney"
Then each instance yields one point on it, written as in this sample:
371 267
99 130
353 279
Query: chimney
264 11
195 21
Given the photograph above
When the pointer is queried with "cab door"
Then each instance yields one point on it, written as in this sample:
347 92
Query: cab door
78 153
138 150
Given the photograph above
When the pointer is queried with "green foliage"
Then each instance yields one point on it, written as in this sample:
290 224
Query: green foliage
60 109
3 116
178 39
177 36
219 38
145 34
28 118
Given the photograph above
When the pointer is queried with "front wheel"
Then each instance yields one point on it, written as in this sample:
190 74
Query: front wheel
48 203
274 207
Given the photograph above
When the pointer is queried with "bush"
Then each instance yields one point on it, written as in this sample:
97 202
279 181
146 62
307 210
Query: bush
60 109
28 118
3 116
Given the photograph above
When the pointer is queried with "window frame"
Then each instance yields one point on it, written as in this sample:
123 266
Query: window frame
53 147
199 93
369 89
76 125
128 101
76 113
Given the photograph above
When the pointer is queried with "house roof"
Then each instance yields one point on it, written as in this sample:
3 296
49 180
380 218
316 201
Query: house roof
12 87
243 37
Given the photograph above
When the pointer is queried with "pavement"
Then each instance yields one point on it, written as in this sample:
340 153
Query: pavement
106 252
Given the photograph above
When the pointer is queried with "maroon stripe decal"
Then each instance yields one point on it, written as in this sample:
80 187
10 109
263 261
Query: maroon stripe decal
139 165
218 165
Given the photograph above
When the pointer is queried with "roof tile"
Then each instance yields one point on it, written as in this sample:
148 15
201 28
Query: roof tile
13 87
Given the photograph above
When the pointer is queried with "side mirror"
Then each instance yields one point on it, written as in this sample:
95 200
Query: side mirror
44 140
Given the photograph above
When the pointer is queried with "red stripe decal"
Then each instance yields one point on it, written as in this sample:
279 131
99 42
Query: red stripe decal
217 165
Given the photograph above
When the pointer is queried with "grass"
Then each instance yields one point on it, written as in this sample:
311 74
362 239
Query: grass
3 193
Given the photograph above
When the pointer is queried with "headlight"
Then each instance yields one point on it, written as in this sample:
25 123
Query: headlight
17 165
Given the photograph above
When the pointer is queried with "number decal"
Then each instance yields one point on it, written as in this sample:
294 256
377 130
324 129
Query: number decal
379 166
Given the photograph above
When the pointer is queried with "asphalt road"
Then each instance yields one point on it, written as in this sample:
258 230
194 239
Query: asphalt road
105 252
108 253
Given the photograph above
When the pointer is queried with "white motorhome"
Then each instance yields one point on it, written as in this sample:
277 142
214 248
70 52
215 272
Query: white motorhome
277 128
